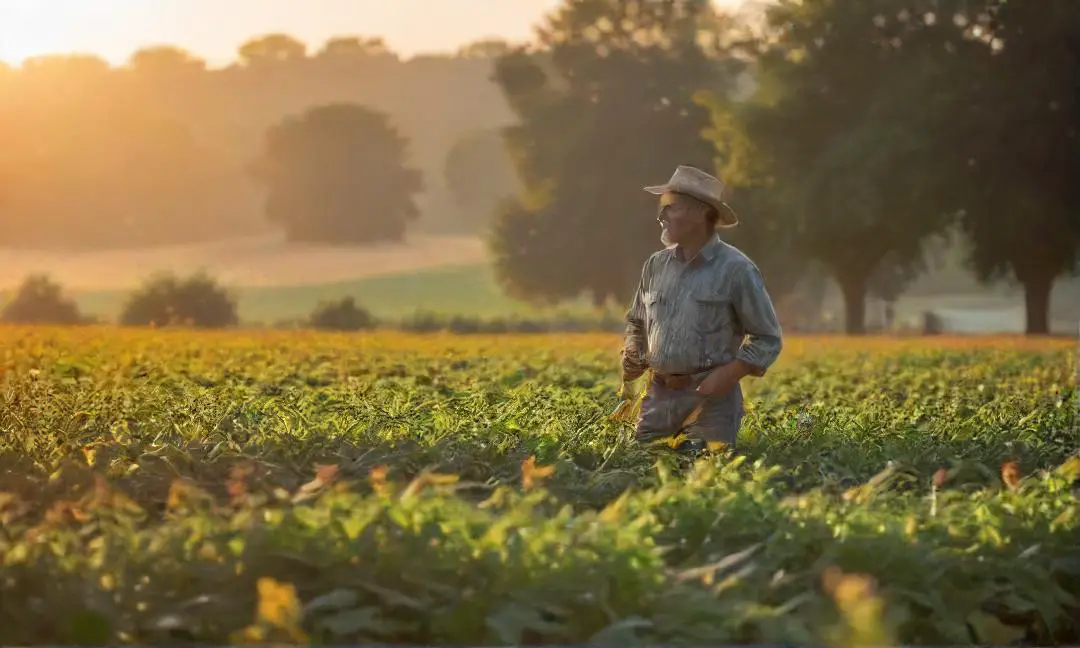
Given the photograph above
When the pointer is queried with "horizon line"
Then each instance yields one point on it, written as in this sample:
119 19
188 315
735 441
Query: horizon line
221 63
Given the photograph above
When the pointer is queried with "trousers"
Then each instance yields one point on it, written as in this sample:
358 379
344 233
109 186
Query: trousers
667 403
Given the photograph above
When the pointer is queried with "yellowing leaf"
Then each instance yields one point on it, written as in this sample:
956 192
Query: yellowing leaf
183 494
426 479
531 474
1070 468
89 453
992 632
377 478
613 511
278 608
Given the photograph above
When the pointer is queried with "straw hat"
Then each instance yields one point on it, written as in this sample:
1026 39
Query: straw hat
706 188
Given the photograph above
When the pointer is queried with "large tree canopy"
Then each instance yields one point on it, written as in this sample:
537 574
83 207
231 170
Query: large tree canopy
847 157
337 174
1017 136
604 102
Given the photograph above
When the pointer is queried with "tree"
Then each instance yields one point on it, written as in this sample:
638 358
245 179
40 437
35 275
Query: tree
764 233
166 300
40 300
165 62
341 315
604 106
488 48
70 67
271 49
851 157
1017 145
337 173
353 48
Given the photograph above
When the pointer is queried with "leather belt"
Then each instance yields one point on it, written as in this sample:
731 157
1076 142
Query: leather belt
674 381
679 380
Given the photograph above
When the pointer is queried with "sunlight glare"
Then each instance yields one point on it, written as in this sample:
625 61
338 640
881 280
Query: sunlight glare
30 28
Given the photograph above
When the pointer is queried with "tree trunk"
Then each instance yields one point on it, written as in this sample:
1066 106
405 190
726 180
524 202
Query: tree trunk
1037 303
854 291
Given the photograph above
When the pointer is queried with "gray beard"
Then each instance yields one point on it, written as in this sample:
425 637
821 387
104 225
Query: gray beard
665 238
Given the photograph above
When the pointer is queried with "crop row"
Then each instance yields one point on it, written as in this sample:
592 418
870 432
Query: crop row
211 487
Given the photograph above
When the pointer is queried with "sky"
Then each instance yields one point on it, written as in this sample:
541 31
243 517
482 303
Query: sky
214 29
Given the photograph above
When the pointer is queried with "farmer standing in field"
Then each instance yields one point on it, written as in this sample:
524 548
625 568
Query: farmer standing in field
701 320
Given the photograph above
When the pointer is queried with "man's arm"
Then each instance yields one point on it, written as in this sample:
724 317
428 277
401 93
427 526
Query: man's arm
635 344
754 308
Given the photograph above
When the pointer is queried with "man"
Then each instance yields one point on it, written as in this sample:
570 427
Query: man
697 300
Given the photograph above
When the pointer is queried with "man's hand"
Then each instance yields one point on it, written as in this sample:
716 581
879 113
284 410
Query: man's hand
724 378
630 404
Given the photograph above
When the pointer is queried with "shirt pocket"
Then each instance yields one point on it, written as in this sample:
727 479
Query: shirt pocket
712 313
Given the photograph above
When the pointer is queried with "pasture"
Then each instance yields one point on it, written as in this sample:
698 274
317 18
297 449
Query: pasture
164 486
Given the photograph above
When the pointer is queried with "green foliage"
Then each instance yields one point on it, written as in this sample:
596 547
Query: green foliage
211 488
1016 145
604 108
166 300
875 124
40 300
848 160
342 315
337 174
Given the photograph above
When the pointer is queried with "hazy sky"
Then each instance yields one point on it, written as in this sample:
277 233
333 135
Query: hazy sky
214 29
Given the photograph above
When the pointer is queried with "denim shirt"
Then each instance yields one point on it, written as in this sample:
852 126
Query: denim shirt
690 316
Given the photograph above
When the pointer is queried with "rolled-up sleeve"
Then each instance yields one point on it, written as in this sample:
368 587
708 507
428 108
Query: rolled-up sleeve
635 344
754 307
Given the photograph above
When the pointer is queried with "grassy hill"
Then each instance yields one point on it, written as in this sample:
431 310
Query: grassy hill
469 290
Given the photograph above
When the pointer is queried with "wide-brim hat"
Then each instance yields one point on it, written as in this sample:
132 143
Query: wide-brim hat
703 186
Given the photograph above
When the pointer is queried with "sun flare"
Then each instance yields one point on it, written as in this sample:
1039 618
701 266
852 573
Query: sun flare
30 28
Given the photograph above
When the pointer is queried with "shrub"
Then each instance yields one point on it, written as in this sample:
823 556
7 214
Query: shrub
424 322
166 300
40 300
341 315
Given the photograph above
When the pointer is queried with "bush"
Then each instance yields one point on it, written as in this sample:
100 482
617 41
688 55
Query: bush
342 315
165 300
428 322
424 322
40 300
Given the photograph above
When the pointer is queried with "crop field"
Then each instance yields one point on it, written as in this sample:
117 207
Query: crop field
281 487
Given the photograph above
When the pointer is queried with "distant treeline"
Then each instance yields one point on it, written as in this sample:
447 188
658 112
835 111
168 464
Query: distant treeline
162 148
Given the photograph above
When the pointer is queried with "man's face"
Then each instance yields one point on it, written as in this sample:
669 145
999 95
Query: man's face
679 219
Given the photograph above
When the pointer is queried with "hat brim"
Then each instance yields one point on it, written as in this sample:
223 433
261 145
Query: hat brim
728 217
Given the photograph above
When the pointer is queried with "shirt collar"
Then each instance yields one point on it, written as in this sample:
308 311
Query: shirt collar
707 253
